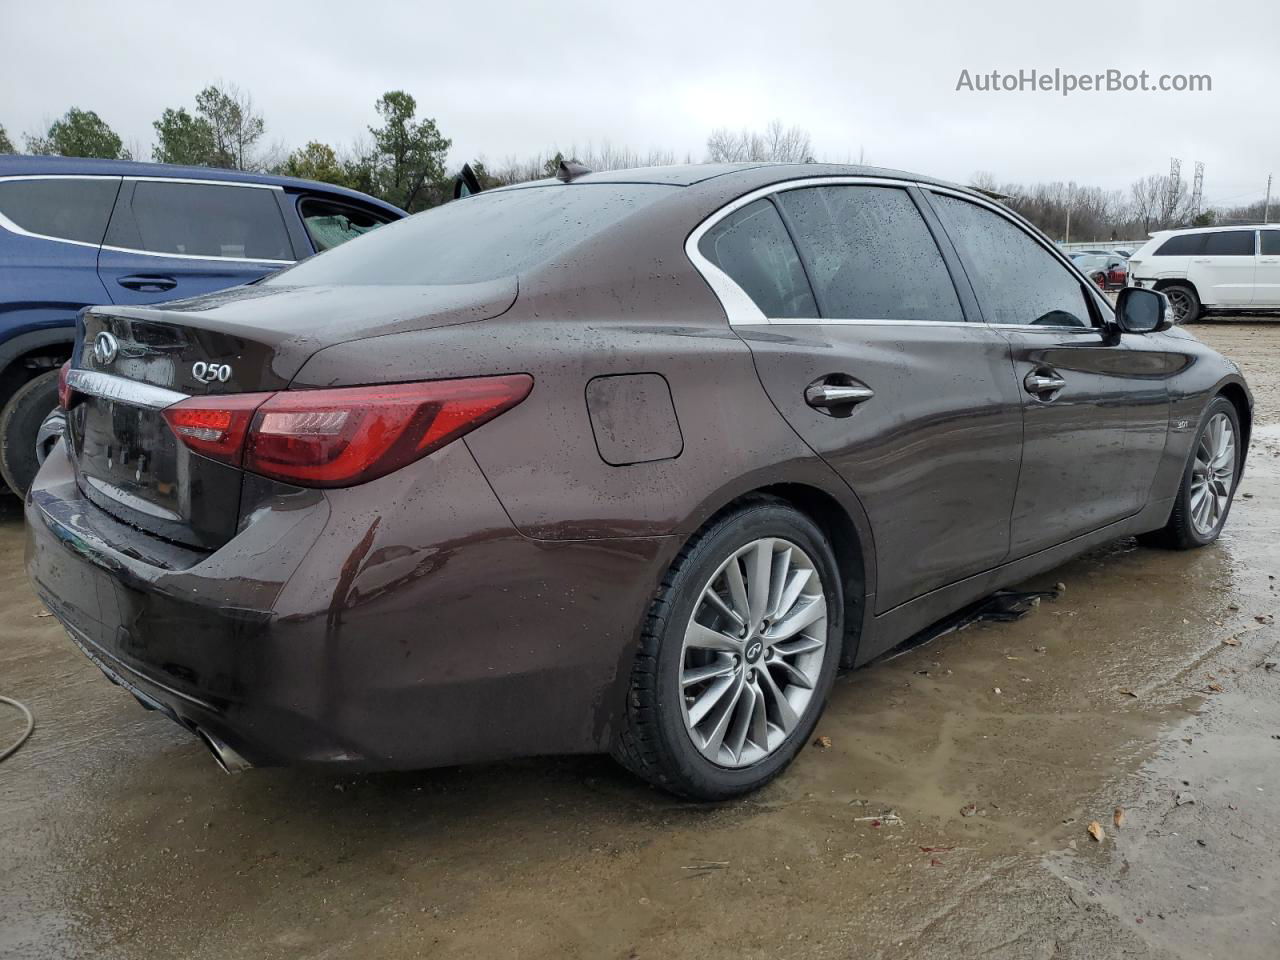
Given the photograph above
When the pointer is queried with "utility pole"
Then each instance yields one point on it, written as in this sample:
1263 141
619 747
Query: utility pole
1266 206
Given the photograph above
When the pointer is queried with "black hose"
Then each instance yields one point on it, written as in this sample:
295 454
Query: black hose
31 725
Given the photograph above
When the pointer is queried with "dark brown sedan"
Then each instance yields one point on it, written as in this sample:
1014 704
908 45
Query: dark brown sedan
627 462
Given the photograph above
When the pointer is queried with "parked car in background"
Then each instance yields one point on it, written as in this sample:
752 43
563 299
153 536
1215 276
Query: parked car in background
77 232
1107 270
1212 269
625 461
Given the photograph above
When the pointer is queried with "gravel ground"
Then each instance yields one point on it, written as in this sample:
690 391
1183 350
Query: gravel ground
948 817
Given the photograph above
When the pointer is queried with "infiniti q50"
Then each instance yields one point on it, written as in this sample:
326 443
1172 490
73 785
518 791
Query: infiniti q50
627 462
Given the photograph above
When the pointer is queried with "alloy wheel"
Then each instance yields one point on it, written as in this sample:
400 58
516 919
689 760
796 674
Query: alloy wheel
753 652
1212 474
1181 303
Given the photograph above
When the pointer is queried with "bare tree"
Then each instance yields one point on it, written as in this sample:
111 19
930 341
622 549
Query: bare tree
776 143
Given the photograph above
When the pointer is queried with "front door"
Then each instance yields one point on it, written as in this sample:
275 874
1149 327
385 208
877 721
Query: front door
1094 417
170 239
862 343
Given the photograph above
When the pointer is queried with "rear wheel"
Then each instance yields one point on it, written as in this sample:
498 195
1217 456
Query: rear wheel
1208 483
23 446
1183 300
737 656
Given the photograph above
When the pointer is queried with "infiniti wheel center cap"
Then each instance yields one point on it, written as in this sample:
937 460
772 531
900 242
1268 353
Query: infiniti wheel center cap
753 651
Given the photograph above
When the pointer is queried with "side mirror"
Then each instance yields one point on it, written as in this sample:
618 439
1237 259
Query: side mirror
1139 310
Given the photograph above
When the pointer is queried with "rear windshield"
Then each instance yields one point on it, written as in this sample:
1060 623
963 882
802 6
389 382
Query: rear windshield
478 238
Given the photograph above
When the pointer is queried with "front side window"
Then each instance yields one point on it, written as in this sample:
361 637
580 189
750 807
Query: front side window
330 224
752 246
199 220
1183 245
870 254
1016 279
66 208
1271 243
1229 243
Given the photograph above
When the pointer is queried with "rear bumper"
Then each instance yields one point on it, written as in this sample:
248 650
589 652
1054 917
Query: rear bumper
373 627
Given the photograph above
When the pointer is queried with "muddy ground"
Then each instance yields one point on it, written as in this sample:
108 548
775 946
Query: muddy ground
948 817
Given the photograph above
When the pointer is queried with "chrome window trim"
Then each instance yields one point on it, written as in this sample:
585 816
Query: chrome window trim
133 392
742 311
12 227
740 308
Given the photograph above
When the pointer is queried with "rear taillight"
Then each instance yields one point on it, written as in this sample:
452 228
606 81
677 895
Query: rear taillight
64 389
345 436
215 426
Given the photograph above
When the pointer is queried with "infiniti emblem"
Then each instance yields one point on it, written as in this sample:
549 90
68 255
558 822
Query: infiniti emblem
105 348
754 651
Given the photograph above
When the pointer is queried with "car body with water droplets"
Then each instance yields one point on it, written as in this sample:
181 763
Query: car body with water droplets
625 462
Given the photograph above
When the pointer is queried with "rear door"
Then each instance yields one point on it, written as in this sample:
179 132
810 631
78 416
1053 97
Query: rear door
169 239
1094 417
1223 271
1266 281
875 365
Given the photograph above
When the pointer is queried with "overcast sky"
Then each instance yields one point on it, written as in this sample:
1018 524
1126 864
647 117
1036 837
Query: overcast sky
507 79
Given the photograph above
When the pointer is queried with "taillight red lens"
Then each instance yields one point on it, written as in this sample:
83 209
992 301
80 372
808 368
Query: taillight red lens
64 389
215 426
345 436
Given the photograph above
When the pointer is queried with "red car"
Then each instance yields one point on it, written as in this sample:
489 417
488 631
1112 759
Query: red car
1108 271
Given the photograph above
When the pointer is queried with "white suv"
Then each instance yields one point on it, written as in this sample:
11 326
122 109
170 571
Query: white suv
1212 269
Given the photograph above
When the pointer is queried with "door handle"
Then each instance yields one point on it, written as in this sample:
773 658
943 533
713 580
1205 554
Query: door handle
1200 260
147 284
1040 383
829 396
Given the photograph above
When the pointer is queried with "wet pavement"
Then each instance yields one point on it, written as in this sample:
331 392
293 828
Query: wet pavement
948 817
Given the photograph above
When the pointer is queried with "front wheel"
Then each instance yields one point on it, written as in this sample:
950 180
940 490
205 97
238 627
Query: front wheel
737 655
1208 483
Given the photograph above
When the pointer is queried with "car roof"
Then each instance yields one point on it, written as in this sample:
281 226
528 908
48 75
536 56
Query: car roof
1238 226
15 165
755 173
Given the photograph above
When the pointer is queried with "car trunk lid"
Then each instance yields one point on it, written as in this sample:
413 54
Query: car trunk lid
132 363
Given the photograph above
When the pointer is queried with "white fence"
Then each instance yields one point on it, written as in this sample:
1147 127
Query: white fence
1129 245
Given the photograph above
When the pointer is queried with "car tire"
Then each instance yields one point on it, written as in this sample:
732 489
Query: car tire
1186 528
1184 301
657 736
20 426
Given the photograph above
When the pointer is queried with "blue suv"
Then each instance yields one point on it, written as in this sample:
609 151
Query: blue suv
75 233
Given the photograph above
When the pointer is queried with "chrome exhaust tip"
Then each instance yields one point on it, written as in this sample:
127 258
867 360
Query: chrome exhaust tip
223 755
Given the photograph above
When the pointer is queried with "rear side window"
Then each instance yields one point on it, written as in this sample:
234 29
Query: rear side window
1271 243
63 207
1183 245
498 233
870 254
330 224
1017 280
1229 243
199 220
752 246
